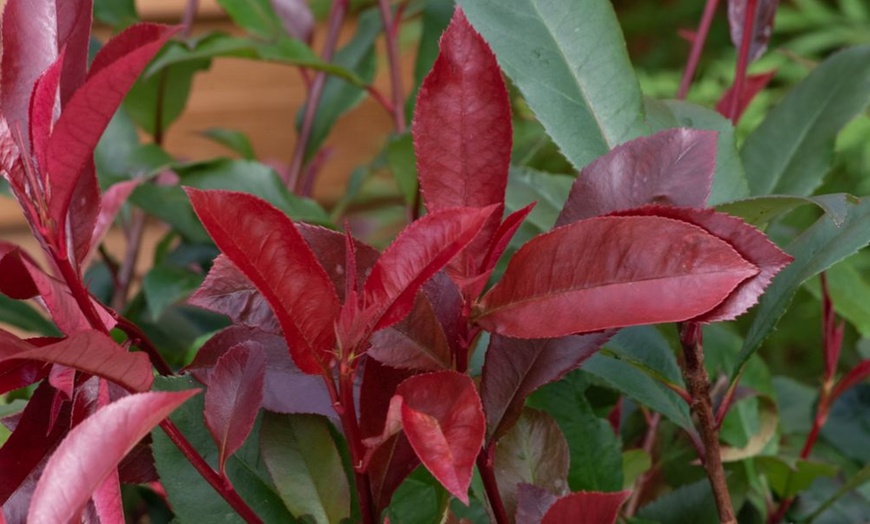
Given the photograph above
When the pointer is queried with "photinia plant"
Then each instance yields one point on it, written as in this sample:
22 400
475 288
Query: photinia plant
345 382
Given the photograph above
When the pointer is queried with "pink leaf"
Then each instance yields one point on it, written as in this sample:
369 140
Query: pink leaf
462 123
420 251
74 21
44 109
515 368
90 109
673 167
753 85
296 17
762 27
112 201
88 351
93 449
266 246
748 241
233 398
609 272
443 419
29 48
586 506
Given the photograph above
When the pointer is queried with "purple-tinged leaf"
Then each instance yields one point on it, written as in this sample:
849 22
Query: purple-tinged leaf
672 167
44 109
29 48
88 351
515 368
296 17
609 272
93 449
462 124
586 506
19 374
74 20
421 250
89 110
286 389
417 342
442 418
762 27
533 503
753 85
378 387
330 248
266 246
32 439
388 467
748 241
233 398
535 452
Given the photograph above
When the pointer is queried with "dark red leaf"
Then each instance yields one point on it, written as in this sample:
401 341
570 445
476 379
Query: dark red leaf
29 47
233 397
74 21
83 210
762 27
266 246
44 109
31 440
330 248
753 85
91 107
93 449
748 241
673 167
462 123
515 368
19 374
609 272
378 387
421 250
389 465
442 417
417 342
586 506
533 503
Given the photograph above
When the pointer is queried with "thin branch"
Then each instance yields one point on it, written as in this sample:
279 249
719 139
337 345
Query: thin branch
140 339
391 36
742 60
697 48
485 465
190 10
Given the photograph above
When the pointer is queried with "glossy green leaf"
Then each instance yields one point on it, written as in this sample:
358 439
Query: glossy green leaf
116 13
566 57
301 456
236 141
419 500
165 285
789 477
400 158
526 185
760 211
254 16
818 248
791 151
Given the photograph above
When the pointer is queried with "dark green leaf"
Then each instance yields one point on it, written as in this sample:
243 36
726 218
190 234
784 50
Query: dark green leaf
232 139
526 185
254 16
689 504
165 285
436 16
400 158
849 290
419 500
115 147
588 101
760 211
116 13
790 477
23 316
791 151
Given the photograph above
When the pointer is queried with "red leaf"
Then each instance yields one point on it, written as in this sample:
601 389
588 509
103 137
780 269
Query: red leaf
748 241
417 342
753 85
83 210
462 123
94 449
330 248
44 109
74 21
609 272
420 251
29 48
762 27
673 167
389 465
233 398
443 419
111 202
89 110
19 374
586 506
88 351
515 368
266 246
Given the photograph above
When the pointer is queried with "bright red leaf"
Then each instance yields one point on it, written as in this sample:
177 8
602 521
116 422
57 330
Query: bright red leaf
762 27
672 167
233 398
609 272
586 506
93 449
515 368
753 85
266 246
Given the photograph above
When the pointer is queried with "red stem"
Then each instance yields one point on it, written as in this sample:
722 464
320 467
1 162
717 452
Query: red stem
697 48
336 19
490 485
391 34
357 450
742 60
141 340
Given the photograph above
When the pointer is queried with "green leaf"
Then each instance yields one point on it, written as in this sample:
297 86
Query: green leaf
789 477
816 249
192 498
635 462
301 456
165 285
729 180
569 60
116 13
526 185
855 481
23 316
339 96
436 16
688 504
791 151
115 147
760 211
420 499
236 141
254 16
596 452
401 159
849 290
632 359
